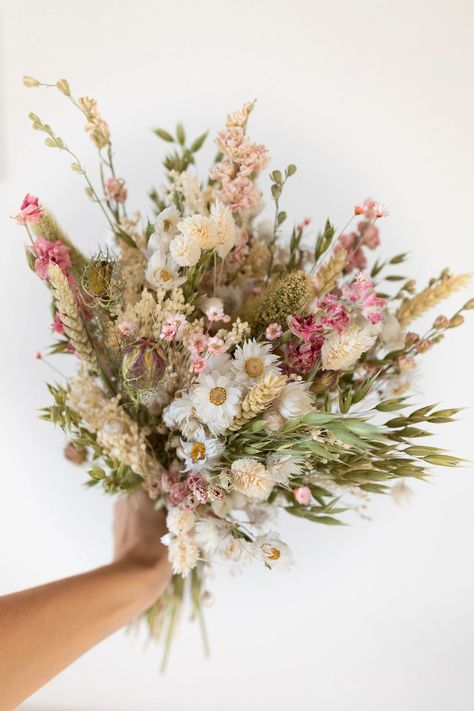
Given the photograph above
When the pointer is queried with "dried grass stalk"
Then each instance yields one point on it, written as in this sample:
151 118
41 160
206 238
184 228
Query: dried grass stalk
328 273
411 309
258 399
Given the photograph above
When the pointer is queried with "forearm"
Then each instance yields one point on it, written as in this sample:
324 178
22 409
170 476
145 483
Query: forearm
44 629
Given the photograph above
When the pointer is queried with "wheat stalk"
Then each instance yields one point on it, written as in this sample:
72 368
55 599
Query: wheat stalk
328 274
411 309
73 324
258 399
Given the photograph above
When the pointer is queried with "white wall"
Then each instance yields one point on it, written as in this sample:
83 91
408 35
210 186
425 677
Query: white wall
367 98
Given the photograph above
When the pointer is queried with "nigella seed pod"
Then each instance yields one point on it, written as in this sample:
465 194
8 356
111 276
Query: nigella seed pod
102 280
143 367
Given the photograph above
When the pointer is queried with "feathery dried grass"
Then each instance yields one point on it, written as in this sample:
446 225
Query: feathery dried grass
73 324
411 309
258 399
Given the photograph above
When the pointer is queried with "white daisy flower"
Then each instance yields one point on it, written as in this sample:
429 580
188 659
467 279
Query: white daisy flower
166 224
250 478
185 250
180 522
225 229
215 400
162 272
272 551
253 361
210 532
294 400
282 467
183 555
178 411
200 229
341 350
201 451
222 363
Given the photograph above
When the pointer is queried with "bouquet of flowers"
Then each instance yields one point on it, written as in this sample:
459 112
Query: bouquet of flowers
230 367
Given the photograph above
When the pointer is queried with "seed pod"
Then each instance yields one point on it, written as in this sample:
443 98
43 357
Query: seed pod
143 367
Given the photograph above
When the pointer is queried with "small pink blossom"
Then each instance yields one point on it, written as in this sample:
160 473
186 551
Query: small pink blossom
126 329
197 343
371 209
302 357
57 325
30 210
305 327
47 253
215 313
302 495
361 293
273 331
198 364
240 194
116 190
334 313
216 346
167 481
178 492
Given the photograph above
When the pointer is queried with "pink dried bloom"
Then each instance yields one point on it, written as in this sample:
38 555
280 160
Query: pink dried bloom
126 329
215 493
303 357
334 313
215 313
57 325
361 293
250 157
198 487
405 362
356 258
197 343
168 479
371 209
273 331
305 327
238 255
216 346
30 210
239 194
47 253
178 492
116 190
369 234
198 364
302 495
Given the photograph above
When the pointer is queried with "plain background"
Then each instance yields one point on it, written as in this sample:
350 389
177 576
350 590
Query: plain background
367 98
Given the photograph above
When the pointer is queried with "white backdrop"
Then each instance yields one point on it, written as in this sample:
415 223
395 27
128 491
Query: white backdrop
367 98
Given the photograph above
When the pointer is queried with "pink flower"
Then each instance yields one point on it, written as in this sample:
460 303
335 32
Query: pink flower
273 331
361 293
126 329
302 357
168 331
57 325
215 346
197 343
178 492
198 487
240 194
198 364
116 190
371 209
334 313
47 253
302 495
305 327
167 481
30 210
215 313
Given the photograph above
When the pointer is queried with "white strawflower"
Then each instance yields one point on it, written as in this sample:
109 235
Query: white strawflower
272 551
201 451
210 532
215 400
178 411
341 350
166 224
250 478
179 521
183 554
185 251
253 361
162 272
282 467
225 229
273 420
200 229
294 400
221 363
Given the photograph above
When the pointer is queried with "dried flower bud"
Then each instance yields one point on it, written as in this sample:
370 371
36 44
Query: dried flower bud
406 363
30 82
75 454
411 338
63 87
143 366
456 321
325 380
424 345
410 286
215 493
225 481
441 322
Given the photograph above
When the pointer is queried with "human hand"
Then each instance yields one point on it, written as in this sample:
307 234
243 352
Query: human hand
138 529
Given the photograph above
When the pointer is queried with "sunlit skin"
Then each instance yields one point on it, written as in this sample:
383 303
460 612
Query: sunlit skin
44 629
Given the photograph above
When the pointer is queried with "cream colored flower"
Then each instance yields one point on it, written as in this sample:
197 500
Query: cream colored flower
180 522
252 361
294 400
224 227
251 479
162 272
185 250
215 400
200 229
271 549
282 467
210 532
341 350
166 224
183 555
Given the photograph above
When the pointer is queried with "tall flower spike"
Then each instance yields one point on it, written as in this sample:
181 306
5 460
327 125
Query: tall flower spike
71 318
258 399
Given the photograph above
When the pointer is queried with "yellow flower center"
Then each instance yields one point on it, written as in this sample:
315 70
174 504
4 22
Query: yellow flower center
198 451
254 367
218 396
166 275
166 225
270 552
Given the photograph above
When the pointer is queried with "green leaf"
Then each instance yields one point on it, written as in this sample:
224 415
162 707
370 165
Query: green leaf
164 135
180 134
198 143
